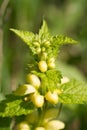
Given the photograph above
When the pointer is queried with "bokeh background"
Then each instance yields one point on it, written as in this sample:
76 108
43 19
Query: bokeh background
67 17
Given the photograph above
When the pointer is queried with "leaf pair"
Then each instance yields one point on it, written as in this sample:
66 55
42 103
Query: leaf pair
56 41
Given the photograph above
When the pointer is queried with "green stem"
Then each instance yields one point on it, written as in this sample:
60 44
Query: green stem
41 113
60 108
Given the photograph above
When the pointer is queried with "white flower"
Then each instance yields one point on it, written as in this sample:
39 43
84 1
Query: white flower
65 80
54 125
25 89
40 128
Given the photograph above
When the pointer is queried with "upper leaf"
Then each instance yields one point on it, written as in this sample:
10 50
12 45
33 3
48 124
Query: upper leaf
74 92
55 41
61 39
15 106
26 36
44 32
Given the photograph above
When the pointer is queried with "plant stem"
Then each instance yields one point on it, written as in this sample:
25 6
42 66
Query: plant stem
60 108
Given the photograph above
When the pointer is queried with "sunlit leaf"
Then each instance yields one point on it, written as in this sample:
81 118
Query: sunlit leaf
74 92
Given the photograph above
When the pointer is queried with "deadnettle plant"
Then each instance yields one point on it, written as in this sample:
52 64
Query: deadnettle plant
40 98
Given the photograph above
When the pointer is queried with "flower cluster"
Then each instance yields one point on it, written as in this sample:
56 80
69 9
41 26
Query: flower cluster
46 120
45 89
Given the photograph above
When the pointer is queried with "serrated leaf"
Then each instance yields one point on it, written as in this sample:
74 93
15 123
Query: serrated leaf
54 77
74 92
62 39
26 36
44 32
57 41
15 106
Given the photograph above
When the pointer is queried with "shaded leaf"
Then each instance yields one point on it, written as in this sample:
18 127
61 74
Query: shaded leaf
15 106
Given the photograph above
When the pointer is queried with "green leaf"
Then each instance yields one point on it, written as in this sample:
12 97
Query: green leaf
15 106
61 39
27 37
49 80
57 41
54 77
74 92
44 32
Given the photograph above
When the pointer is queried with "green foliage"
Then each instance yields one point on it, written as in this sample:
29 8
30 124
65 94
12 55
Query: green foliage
49 80
74 92
44 32
61 19
26 36
61 39
56 41
14 106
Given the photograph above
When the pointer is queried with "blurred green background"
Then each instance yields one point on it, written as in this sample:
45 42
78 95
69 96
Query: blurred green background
67 17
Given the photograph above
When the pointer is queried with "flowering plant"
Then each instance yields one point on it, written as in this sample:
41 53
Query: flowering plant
40 99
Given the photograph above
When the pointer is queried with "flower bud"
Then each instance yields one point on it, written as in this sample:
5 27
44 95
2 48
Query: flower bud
52 97
38 50
65 80
51 65
51 60
40 128
34 80
47 43
36 43
42 66
23 126
54 125
37 99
